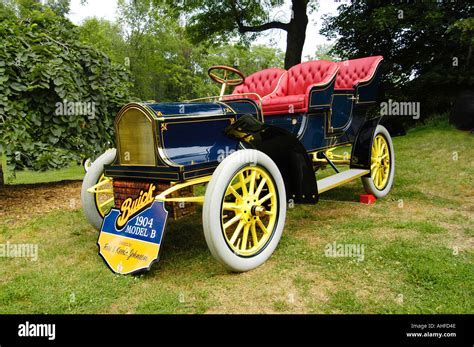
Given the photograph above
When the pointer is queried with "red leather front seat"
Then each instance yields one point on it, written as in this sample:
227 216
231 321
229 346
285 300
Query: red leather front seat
262 83
352 72
292 94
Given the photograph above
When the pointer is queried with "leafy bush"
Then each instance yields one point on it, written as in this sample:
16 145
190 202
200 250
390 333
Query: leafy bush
58 96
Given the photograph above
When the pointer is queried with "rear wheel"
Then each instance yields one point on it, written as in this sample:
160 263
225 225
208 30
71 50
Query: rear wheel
382 166
244 210
96 205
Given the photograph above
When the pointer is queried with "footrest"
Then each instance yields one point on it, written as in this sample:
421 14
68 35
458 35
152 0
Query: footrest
339 179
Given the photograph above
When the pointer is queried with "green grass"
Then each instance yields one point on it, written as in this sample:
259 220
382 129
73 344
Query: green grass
418 251
73 172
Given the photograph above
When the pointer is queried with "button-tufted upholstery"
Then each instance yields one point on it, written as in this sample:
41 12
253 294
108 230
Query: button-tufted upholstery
292 95
351 72
262 82
303 75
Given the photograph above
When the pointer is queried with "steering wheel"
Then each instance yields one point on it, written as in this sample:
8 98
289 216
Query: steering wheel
226 80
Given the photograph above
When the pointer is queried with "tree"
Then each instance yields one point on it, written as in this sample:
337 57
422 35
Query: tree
1 172
105 36
58 96
217 21
323 52
166 66
427 46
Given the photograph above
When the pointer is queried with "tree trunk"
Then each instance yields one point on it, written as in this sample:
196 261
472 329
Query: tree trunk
296 30
1 171
296 34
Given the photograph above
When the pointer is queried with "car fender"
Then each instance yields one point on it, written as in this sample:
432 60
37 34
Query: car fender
285 150
361 149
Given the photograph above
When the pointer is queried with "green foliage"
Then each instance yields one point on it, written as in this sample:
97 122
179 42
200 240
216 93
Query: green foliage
43 67
166 66
49 68
105 36
463 31
216 21
427 46
323 52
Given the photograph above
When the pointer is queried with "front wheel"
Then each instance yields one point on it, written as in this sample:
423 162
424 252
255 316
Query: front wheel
382 166
244 210
96 205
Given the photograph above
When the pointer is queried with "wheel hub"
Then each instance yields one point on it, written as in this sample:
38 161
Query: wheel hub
258 211
250 209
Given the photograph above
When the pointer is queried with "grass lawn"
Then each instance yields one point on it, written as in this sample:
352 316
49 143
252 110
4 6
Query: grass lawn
73 172
418 251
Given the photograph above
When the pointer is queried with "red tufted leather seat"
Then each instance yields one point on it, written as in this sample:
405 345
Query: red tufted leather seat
262 83
352 72
292 94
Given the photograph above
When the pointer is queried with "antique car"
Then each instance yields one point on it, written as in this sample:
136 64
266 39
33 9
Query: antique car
252 151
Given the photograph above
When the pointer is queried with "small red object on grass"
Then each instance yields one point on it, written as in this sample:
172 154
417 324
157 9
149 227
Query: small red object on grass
367 199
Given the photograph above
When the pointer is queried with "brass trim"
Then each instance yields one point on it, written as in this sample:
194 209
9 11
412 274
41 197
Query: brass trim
226 107
123 110
315 150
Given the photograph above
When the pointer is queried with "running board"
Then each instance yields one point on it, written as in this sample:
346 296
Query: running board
336 180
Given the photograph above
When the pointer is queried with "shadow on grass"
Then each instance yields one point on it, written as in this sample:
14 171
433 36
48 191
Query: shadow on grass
184 248
349 193
185 236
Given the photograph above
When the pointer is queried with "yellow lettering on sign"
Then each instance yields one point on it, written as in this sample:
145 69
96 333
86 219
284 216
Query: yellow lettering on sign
131 207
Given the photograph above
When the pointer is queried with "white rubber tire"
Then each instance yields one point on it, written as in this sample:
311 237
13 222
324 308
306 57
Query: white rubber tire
368 182
91 178
211 214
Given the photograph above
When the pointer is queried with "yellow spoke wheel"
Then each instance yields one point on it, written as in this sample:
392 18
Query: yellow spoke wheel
380 162
249 211
104 196
244 210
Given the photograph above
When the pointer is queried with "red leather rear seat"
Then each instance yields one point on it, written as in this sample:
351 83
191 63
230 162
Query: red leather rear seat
262 83
292 94
352 72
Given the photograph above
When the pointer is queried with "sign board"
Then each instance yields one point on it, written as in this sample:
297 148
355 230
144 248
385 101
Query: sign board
130 237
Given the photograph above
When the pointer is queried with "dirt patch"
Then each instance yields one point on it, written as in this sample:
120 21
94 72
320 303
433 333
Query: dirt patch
21 202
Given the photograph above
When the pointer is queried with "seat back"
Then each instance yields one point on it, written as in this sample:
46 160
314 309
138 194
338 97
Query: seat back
262 82
303 75
352 72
